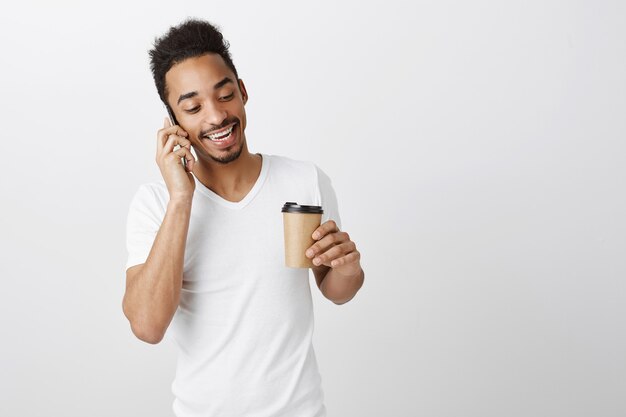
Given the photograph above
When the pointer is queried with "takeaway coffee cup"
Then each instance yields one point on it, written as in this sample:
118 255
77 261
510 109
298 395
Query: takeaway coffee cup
299 223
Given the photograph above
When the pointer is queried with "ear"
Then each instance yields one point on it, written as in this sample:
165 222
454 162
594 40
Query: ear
244 93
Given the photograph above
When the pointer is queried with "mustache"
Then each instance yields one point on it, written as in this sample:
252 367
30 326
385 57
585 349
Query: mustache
206 132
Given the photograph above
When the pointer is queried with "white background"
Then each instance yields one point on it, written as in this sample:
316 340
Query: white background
477 150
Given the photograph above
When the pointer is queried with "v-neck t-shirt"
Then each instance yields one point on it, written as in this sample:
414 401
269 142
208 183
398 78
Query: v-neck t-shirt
245 322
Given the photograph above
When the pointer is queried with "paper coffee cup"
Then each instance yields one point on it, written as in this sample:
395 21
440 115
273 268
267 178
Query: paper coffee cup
299 223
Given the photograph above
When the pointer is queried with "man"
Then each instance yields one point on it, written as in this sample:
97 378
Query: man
206 246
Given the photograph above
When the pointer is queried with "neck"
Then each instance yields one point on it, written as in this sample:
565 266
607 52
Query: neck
230 181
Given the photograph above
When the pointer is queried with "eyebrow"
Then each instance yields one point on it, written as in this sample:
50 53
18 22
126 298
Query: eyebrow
217 86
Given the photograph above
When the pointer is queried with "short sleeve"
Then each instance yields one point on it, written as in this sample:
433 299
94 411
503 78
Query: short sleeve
328 198
145 216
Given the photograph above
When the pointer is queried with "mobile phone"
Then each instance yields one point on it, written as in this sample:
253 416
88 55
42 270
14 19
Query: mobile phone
173 122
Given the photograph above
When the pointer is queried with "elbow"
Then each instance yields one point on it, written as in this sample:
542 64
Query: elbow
341 302
152 336
144 330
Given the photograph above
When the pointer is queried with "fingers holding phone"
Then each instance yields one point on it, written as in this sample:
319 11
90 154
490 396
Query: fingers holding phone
172 146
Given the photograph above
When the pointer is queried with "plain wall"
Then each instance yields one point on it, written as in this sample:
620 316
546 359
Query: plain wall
477 150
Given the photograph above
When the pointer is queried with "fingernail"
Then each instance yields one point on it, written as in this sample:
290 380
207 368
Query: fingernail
317 261
309 253
316 235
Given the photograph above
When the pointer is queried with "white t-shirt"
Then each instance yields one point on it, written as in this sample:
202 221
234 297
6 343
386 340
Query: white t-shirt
244 324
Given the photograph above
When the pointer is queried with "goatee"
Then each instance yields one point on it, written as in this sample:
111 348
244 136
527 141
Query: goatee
230 157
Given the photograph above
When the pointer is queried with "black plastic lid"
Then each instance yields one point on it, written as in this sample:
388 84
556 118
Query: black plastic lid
290 207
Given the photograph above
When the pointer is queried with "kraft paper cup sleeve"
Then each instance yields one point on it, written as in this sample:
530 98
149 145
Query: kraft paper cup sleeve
299 223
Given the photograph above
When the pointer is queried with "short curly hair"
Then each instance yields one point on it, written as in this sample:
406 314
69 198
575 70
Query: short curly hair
189 39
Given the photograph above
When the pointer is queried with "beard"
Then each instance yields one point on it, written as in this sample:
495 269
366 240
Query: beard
230 156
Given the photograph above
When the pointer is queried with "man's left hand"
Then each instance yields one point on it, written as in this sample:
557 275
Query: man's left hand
333 248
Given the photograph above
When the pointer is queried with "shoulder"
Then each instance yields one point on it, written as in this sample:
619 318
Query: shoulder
294 168
283 165
152 193
156 187
286 164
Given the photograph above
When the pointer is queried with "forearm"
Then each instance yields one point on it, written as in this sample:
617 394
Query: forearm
152 296
339 288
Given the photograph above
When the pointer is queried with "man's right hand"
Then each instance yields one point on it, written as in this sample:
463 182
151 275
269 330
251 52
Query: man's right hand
180 183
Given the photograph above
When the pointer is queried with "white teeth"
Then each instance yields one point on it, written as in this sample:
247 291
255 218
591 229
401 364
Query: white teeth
222 134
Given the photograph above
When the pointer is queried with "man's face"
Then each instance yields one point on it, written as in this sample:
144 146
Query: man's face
208 102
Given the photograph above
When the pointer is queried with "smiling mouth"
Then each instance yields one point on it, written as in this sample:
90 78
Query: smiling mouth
222 135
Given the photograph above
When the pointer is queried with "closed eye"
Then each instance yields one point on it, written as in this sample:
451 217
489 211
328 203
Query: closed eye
228 97
193 110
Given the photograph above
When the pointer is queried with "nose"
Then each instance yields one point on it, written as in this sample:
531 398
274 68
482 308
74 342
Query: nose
214 114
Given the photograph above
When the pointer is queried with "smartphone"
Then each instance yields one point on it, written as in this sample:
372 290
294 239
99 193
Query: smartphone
173 121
